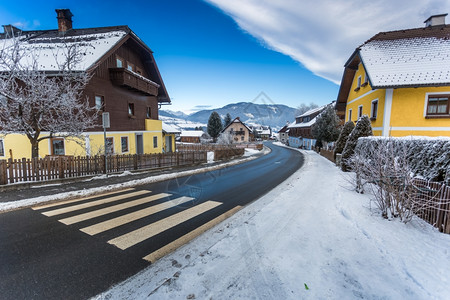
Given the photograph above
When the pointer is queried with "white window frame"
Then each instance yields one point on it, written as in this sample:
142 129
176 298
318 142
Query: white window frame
2 148
360 111
128 144
112 145
349 114
372 115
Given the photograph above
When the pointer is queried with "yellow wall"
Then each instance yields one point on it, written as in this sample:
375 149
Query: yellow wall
406 112
21 147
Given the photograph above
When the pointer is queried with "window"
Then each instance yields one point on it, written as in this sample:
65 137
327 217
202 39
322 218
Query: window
149 112
231 130
57 145
99 102
109 145
119 62
2 148
124 143
131 109
438 105
155 142
358 84
139 71
130 66
360 111
374 110
306 119
366 80
242 138
349 115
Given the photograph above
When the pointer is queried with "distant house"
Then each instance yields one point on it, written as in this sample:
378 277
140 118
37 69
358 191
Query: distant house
300 135
125 82
401 80
240 132
169 136
283 134
193 136
262 132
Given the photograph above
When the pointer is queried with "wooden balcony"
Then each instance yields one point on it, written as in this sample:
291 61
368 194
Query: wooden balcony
133 81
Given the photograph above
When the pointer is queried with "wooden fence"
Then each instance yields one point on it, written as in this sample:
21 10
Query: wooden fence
43 169
433 203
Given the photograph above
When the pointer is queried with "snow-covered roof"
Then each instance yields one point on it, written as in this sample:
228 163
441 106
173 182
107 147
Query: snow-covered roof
49 48
192 133
312 111
169 129
412 57
305 124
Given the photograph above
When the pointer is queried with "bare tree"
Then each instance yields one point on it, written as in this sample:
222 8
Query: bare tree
36 101
302 108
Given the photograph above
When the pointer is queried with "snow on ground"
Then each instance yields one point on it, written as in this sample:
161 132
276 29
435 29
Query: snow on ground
309 238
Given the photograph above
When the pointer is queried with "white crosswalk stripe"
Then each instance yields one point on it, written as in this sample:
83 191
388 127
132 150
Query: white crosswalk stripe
116 222
91 204
135 236
110 209
132 238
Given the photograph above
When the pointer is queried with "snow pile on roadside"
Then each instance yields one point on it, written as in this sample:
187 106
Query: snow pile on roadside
210 157
250 152
309 238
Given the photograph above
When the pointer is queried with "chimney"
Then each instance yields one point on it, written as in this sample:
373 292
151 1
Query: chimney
64 17
435 20
11 31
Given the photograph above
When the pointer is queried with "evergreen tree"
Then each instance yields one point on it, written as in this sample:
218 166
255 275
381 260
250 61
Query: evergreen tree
362 128
326 127
342 139
227 120
214 125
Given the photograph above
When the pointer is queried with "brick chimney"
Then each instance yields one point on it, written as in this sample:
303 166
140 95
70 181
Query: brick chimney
64 17
435 20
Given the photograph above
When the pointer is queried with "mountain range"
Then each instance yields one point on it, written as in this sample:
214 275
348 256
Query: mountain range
273 115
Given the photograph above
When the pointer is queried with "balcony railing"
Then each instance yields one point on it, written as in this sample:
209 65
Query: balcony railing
133 81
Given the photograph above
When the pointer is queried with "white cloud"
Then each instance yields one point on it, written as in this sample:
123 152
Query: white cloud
322 34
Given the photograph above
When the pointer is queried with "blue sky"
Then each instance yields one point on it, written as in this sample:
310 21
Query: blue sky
214 52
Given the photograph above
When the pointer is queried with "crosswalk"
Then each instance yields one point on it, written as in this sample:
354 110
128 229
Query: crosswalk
110 211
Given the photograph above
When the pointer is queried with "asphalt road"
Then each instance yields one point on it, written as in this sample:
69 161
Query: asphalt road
77 249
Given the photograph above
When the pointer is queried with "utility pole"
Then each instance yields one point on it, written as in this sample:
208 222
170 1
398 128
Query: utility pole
106 124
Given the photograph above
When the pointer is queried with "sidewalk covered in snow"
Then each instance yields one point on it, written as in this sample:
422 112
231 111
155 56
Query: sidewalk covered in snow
310 238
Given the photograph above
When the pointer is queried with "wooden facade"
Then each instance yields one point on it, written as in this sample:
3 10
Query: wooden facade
121 88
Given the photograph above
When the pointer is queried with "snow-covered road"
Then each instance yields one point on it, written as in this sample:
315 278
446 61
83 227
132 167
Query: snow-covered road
310 238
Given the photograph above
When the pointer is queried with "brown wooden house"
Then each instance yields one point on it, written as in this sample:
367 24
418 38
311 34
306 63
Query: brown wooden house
125 82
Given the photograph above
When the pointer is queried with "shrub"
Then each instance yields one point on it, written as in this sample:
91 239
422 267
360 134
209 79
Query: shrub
362 129
343 136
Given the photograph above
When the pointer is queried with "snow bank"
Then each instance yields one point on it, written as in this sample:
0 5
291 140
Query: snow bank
311 231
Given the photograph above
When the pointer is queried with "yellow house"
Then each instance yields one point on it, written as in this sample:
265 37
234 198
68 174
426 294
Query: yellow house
401 80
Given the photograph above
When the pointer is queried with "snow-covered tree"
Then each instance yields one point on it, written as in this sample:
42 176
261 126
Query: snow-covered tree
343 136
363 128
326 127
225 138
214 125
227 120
35 101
